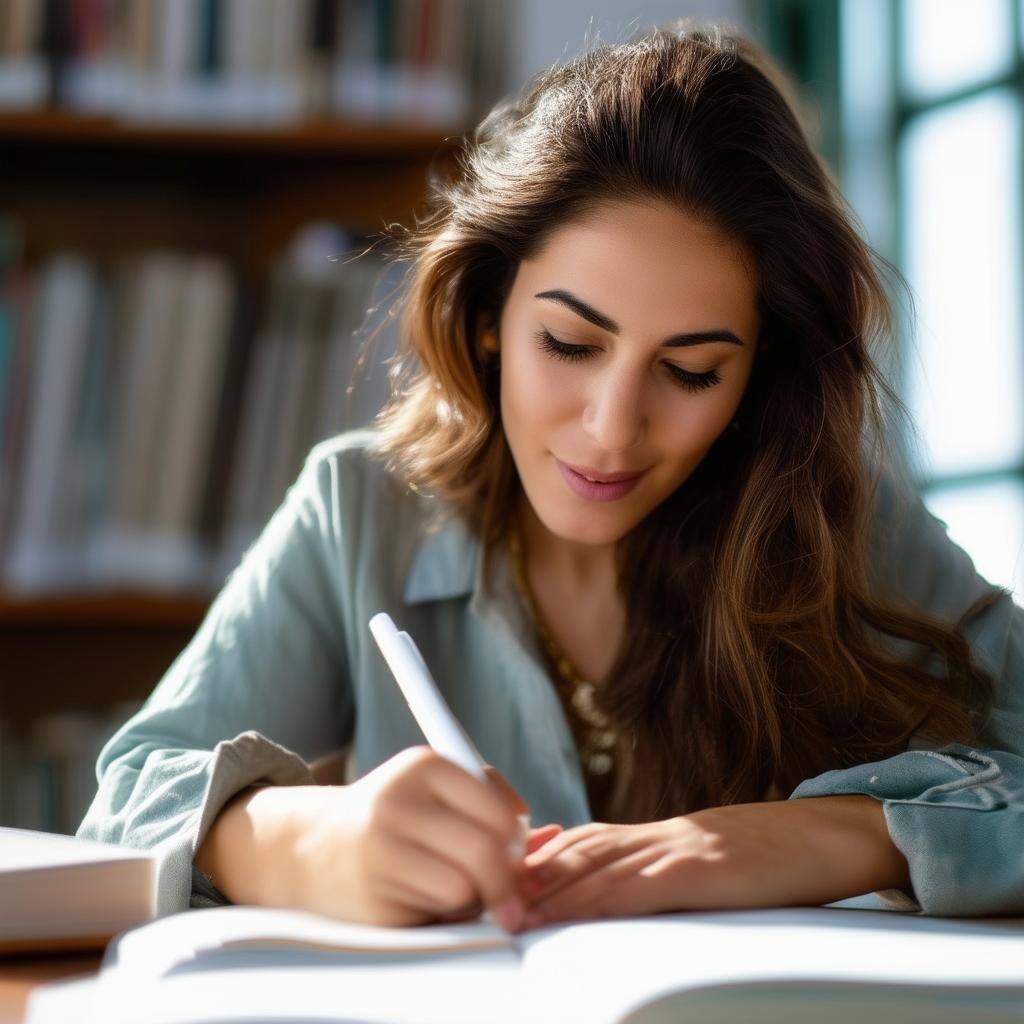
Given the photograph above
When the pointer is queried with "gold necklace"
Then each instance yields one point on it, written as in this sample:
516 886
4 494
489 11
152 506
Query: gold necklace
599 738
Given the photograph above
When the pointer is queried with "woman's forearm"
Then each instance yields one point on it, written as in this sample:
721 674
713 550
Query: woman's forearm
804 852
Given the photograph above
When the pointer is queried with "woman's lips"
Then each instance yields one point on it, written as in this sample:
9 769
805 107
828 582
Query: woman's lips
592 489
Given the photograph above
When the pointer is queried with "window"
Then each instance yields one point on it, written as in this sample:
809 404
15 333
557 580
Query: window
930 154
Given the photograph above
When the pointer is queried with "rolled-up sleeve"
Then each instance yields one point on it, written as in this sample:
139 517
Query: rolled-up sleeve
260 691
956 812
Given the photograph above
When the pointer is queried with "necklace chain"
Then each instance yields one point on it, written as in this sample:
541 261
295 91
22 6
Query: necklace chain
599 735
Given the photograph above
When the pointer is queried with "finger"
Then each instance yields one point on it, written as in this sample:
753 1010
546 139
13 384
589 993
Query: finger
537 837
430 882
519 805
564 841
409 906
587 854
469 797
480 859
621 888
408 898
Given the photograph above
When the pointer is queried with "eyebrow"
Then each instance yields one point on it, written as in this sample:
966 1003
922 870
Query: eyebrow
606 323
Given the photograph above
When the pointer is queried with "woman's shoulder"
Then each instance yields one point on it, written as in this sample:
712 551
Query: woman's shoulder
380 527
354 482
350 461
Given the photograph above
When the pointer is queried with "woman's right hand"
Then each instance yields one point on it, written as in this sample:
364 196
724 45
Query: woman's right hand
416 840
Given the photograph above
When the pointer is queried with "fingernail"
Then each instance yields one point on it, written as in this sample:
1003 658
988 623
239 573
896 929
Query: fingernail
510 914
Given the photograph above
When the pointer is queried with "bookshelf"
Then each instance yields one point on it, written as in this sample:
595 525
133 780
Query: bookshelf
75 663
111 185
92 184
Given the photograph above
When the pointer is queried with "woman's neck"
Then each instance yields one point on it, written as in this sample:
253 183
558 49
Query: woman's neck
575 565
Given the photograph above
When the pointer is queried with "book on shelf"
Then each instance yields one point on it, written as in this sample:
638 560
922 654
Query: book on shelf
48 769
844 962
39 551
24 67
255 62
148 430
16 287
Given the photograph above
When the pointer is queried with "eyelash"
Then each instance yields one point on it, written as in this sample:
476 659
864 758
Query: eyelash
573 353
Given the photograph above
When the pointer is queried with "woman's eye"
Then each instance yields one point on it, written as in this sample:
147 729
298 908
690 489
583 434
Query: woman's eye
573 353
693 381
559 349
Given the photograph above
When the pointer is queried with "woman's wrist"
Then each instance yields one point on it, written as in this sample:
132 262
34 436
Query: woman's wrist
892 866
805 852
851 832
241 853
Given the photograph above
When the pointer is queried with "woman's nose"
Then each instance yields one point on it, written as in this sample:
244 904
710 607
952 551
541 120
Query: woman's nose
615 416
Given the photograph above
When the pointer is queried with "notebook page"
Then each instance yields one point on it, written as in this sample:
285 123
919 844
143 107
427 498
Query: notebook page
254 963
176 939
466 987
613 967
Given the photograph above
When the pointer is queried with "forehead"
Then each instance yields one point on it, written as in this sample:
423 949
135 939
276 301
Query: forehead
644 261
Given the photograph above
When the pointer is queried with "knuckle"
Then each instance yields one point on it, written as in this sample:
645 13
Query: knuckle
378 809
456 891
417 757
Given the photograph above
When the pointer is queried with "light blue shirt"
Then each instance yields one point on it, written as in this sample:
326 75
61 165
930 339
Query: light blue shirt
284 670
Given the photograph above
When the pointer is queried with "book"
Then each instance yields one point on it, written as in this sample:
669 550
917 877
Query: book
839 963
38 551
196 384
63 893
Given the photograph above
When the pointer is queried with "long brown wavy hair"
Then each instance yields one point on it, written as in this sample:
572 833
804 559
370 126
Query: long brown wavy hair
754 652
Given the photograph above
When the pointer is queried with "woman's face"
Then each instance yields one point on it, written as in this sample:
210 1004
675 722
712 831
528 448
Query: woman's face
626 346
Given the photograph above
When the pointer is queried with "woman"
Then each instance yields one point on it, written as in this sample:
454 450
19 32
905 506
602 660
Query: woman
631 498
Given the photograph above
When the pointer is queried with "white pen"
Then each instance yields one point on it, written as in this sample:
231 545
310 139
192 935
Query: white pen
442 729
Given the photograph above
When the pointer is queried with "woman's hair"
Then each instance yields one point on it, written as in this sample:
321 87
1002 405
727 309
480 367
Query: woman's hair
755 651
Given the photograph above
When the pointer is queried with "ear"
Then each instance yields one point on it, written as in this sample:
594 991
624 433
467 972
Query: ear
488 340
487 335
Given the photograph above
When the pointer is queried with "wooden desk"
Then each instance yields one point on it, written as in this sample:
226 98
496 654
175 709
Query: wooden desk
20 974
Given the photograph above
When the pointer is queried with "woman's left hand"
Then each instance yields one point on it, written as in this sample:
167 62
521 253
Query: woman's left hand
803 852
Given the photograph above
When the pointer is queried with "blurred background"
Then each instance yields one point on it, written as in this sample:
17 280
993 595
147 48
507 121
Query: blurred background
184 185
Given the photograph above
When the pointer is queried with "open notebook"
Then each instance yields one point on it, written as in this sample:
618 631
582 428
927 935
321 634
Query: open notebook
836 963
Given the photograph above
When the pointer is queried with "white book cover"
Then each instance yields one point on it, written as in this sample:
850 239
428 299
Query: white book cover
59 891
195 386
129 552
37 558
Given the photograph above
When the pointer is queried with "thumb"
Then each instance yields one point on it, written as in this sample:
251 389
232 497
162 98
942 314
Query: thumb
508 791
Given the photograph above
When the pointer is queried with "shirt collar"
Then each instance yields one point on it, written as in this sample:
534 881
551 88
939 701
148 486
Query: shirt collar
444 565
449 563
